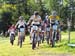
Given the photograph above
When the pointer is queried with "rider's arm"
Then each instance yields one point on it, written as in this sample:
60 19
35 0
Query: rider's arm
40 20
30 20
17 24
8 30
25 23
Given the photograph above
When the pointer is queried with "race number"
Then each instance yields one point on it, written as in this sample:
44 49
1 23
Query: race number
54 27
22 29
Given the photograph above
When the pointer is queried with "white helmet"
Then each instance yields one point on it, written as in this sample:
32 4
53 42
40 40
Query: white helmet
54 13
21 18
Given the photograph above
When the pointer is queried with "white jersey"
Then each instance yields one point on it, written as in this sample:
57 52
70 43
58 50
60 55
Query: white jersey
21 23
35 20
46 17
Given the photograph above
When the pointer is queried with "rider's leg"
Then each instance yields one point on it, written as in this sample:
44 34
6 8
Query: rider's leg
31 35
38 37
24 36
42 37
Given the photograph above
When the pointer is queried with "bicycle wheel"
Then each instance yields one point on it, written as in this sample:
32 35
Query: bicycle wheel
43 38
48 37
12 39
53 39
23 38
38 43
12 42
20 41
33 42
57 37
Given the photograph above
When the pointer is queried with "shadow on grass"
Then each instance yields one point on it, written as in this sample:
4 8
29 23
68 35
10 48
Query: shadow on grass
61 44
27 44
45 46
57 45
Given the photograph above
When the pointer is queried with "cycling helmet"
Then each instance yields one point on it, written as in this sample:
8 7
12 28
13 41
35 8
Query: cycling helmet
36 13
54 13
21 18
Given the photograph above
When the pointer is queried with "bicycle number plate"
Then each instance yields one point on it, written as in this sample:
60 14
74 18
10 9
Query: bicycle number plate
22 29
35 28
54 27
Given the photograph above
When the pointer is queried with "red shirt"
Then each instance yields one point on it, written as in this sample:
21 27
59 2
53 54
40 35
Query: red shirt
12 29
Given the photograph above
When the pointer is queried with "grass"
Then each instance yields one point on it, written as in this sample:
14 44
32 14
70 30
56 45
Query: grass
61 48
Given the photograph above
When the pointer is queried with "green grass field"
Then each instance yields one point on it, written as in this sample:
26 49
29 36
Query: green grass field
61 48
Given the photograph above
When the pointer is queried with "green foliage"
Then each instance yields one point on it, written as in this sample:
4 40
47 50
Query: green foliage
26 17
6 19
6 16
27 7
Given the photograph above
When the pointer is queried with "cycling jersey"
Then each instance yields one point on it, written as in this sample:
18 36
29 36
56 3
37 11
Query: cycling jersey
21 23
35 20
54 17
11 30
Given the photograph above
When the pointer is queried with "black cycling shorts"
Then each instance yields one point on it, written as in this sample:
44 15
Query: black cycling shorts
38 25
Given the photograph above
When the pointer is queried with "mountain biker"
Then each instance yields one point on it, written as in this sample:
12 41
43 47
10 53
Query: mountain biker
42 31
21 23
54 19
46 21
47 26
11 31
35 20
